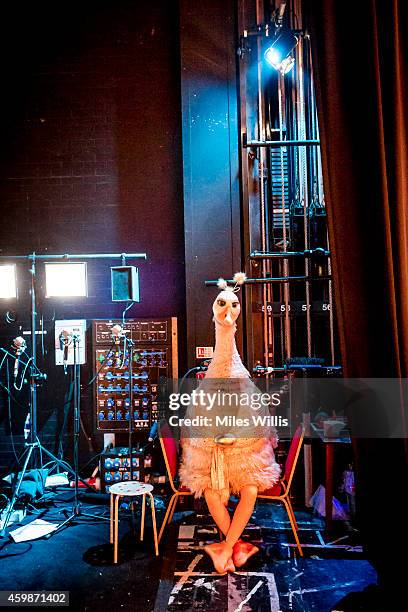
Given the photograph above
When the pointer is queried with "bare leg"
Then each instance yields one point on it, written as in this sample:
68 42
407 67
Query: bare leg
222 553
242 551
217 510
242 513
220 514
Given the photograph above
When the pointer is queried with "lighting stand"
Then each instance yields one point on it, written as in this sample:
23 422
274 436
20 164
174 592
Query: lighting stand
34 445
35 375
130 344
76 511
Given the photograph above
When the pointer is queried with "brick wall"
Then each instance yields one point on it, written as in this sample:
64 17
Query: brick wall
90 154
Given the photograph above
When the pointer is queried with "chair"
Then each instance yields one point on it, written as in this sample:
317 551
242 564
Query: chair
170 454
280 491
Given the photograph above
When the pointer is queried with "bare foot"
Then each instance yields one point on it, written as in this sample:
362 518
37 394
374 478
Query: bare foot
242 551
220 553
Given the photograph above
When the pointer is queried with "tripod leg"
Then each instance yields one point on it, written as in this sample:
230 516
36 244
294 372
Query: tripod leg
67 521
88 439
17 489
63 464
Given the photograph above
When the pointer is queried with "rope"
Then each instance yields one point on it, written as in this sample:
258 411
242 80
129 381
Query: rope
304 188
286 289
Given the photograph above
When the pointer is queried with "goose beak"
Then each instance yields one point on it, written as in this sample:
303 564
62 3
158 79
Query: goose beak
228 319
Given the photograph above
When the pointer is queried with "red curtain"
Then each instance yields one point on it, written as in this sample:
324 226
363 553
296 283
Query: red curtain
362 104
360 64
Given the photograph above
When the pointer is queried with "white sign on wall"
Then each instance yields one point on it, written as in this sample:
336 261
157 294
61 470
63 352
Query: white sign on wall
64 341
204 352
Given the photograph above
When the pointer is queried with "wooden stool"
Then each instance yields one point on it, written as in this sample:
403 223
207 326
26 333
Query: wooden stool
129 489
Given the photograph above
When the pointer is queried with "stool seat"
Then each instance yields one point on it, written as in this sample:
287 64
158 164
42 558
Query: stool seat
130 488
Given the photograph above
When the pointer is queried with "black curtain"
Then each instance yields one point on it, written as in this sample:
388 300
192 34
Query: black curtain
360 60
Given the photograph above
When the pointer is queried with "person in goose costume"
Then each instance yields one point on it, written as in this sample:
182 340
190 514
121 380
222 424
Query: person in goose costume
241 462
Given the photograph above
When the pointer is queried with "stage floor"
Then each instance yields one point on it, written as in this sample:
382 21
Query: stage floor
79 560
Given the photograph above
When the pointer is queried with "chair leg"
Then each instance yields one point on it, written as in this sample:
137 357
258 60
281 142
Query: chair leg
153 509
169 508
173 509
133 515
293 526
292 513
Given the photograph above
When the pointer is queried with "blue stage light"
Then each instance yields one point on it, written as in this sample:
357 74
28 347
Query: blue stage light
279 53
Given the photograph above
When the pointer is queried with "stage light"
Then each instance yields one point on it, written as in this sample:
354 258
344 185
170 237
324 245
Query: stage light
65 280
8 285
279 53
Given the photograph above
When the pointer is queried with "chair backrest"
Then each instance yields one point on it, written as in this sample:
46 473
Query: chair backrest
170 450
293 454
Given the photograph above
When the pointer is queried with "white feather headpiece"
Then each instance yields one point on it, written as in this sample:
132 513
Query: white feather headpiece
238 280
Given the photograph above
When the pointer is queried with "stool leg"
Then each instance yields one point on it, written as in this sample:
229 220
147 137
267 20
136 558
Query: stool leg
142 520
116 534
156 546
132 517
111 520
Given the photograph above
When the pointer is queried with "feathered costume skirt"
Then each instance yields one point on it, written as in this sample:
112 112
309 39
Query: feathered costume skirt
228 468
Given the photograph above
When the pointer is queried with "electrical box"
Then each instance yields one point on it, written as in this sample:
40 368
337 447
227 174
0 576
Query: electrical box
154 359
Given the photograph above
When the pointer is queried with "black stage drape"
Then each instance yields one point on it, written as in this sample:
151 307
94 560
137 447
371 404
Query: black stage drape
360 64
